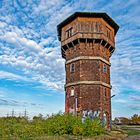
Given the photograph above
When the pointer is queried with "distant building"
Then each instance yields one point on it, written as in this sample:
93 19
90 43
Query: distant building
87 43
121 120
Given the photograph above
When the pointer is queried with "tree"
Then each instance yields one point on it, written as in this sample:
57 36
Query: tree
135 119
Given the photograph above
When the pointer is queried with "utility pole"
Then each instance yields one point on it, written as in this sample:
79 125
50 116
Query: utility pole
19 114
75 103
25 113
110 106
7 115
13 113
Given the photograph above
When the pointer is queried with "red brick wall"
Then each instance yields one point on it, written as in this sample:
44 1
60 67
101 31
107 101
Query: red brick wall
89 96
90 70
87 49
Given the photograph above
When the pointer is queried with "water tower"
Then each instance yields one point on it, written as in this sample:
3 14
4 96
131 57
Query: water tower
87 43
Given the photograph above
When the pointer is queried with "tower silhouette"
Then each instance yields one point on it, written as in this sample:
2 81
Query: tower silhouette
87 43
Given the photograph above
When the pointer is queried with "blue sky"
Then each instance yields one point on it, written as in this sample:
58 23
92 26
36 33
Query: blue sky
32 71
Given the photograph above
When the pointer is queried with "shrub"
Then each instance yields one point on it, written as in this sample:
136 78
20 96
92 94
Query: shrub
59 124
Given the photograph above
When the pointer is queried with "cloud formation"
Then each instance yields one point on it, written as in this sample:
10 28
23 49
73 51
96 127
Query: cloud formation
30 50
135 107
11 102
135 97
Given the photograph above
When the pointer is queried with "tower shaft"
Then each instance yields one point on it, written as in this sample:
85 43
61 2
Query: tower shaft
87 43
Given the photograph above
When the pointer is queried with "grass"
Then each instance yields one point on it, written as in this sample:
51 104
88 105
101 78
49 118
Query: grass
133 132
70 137
130 126
129 129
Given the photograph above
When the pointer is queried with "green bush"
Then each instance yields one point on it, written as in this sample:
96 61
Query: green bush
59 124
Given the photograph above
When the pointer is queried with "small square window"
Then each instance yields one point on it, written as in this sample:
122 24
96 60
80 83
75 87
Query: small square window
104 68
72 67
69 32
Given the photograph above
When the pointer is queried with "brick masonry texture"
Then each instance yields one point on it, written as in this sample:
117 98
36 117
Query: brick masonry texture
82 37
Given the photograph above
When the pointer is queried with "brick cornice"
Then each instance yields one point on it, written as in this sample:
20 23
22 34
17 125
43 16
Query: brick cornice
88 58
88 83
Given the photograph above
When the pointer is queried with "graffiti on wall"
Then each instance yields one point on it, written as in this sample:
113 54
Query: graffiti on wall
71 110
94 114
90 113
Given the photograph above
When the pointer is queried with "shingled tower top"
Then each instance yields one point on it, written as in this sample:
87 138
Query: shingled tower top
87 42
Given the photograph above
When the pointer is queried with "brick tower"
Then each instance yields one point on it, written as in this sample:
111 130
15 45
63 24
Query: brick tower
87 43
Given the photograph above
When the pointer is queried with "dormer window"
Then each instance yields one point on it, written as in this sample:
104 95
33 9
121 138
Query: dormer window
69 32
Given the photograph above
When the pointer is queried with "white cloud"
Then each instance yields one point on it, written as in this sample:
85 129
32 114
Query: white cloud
12 76
45 94
135 106
3 24
13 37
30 57
120 101
47 41
135 97
2 93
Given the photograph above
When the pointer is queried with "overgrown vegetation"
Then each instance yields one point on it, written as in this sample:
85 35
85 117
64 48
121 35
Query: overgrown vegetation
59 124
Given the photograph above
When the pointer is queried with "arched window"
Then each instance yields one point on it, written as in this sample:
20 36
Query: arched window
72 91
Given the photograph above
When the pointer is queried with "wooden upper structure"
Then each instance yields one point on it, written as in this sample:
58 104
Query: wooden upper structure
87 25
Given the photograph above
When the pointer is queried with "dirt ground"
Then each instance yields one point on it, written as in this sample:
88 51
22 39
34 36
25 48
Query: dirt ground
134 137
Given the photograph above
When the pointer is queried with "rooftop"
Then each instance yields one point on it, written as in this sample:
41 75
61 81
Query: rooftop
108 19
